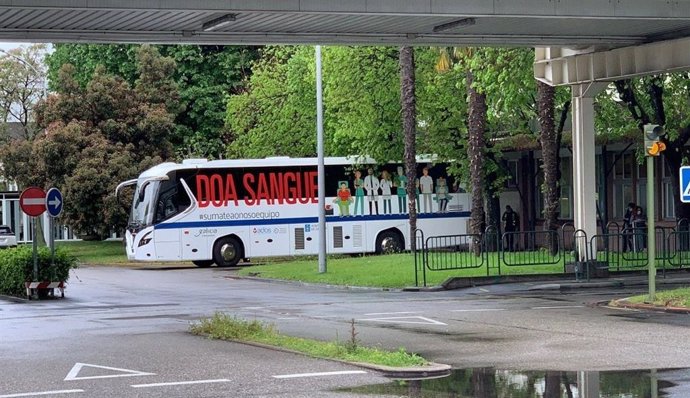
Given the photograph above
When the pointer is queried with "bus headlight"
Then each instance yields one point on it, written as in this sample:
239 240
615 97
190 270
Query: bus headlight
145 240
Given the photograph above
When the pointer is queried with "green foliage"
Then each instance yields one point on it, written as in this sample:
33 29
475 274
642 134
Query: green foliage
96 137
361 89
226 327
276 115
204 76
16 267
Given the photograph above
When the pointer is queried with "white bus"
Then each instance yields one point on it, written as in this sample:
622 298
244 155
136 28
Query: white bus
224 211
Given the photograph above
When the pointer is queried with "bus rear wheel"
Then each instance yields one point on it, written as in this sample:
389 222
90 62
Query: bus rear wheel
227 252
203 263
389 242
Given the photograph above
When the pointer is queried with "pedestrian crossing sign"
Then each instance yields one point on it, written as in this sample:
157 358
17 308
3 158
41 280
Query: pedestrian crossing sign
685 184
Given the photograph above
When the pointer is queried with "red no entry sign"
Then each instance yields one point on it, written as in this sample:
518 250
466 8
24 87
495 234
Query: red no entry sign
33 201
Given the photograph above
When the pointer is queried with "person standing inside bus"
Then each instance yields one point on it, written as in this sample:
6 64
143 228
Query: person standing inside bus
386 184
426 184
371 185
344 199
402 190
359 193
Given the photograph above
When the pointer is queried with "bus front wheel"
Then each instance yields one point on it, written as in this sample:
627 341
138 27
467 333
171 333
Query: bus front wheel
227 252
389 241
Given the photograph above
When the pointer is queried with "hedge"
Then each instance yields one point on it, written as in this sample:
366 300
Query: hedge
17 267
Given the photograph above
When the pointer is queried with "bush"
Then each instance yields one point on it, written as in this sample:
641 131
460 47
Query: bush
17 267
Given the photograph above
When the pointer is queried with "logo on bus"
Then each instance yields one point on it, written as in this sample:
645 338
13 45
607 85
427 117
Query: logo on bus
206 232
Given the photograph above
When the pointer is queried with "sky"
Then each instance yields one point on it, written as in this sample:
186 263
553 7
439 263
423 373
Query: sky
10 45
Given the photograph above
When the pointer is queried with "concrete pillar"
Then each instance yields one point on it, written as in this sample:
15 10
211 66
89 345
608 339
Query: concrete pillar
584 170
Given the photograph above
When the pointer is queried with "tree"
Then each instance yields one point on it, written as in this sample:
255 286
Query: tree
276 114
409 124
205 76
96 137
22 86
659 99
476 125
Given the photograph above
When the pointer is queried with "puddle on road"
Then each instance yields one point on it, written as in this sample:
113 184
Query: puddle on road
492 383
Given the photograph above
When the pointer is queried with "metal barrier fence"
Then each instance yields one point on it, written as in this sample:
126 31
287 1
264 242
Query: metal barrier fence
618 249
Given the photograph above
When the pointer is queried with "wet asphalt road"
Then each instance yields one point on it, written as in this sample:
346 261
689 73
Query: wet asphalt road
123 333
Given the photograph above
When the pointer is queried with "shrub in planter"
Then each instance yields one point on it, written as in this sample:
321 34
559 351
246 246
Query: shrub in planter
17 267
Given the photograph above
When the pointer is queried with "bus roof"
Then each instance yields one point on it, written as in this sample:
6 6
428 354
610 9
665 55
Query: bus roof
192 164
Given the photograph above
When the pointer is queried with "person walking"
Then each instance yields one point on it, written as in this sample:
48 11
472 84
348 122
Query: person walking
639 230
510 225
628 227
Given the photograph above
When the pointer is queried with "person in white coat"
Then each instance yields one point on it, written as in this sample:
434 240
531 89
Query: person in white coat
386 185
371 186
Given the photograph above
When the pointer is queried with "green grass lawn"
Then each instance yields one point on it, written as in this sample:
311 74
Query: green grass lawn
107 252
389 271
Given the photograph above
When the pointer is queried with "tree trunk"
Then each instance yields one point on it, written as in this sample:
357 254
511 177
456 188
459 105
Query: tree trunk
550 154
475 154
409 121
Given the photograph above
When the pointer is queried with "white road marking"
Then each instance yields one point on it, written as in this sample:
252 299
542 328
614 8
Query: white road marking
481 289
180 383
343 372
390 313
479 310
72 375
557 307
399 319
35 394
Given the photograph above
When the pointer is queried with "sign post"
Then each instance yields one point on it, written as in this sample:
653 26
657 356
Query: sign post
33 202
54 208
684 184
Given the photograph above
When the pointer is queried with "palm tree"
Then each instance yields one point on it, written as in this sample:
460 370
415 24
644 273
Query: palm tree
409 121
550 140
476 125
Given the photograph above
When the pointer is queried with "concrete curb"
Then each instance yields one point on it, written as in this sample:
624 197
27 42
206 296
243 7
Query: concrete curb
14 299
300 283
432 370
577 285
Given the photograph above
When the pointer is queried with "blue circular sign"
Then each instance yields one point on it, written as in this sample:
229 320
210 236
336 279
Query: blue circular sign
54 202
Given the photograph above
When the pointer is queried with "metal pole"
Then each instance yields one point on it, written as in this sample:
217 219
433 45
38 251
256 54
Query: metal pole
35 247
321 172
51 240
651 237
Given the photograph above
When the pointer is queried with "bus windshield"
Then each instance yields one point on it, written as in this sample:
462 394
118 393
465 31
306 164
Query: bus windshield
142 207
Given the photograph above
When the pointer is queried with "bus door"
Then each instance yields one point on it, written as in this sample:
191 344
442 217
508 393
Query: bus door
167 244
269 240
346 237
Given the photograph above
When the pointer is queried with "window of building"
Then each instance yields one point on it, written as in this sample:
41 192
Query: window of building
512 168
623 192
668 204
